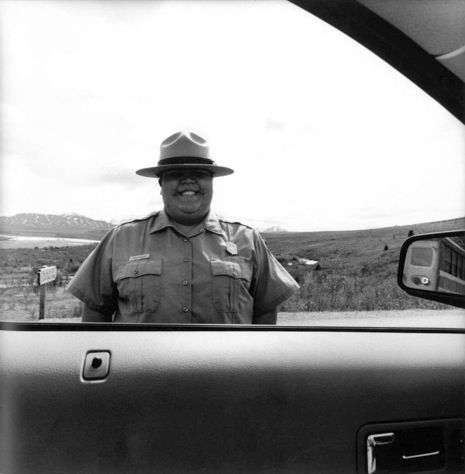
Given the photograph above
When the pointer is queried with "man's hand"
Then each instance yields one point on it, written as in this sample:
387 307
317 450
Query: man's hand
91 316
266 318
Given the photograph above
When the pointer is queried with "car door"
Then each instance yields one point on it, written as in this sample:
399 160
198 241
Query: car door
230 399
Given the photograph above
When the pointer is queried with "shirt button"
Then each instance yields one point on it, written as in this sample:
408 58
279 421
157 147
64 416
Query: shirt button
186 259
185 309
185 282
135 272
186 240
235 274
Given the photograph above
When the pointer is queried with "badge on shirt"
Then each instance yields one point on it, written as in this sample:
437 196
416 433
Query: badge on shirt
231 248
139 257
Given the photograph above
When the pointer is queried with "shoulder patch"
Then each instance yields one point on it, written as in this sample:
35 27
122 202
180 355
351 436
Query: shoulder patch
139 219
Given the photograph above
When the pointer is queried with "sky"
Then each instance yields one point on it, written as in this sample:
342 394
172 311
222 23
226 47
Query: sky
322 134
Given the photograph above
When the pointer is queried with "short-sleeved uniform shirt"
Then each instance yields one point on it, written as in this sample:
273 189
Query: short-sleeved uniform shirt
147 271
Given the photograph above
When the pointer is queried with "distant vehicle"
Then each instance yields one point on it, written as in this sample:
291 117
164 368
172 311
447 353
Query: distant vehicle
436 265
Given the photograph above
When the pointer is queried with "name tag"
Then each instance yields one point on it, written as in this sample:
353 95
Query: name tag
139 257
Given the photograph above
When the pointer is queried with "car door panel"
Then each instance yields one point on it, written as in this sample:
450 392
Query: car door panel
183 399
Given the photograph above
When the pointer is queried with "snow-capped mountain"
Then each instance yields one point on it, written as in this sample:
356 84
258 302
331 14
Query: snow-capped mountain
275 228
63 225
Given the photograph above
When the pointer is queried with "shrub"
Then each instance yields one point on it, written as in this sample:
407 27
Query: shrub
331 291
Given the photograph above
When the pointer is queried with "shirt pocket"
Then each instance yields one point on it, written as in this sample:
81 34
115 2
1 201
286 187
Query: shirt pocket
139 286
230 286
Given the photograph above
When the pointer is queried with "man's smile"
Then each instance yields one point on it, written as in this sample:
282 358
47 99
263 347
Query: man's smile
189 192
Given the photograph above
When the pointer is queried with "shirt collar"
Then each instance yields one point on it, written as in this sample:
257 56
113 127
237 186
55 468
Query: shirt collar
162 221
159 222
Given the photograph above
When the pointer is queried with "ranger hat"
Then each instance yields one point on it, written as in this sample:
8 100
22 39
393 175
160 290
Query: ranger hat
184 150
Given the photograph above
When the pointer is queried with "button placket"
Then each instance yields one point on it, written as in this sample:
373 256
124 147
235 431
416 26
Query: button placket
186 280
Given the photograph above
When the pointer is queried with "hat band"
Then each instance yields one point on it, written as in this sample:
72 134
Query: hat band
185 160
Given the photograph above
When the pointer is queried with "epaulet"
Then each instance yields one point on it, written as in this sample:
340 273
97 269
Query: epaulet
233 222
139 219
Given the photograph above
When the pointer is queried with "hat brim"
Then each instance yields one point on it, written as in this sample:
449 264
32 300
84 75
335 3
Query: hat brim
156 171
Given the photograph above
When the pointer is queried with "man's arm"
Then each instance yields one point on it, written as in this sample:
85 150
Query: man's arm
266 318
89 315
271 284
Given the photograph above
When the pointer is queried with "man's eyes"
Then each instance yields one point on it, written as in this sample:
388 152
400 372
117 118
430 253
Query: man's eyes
202 175
196 175
172 175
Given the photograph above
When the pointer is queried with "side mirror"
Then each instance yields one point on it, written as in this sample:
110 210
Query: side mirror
432 266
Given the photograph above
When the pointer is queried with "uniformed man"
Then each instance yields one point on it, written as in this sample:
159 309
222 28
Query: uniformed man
183 264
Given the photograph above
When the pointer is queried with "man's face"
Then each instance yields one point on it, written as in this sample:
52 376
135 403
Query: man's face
187 194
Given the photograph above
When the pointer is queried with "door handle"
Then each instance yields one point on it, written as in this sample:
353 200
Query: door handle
405 450
412 446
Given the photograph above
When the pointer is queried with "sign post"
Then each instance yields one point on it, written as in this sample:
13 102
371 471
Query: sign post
45 275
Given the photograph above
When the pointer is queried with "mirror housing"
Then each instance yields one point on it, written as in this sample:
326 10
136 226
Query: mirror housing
432 266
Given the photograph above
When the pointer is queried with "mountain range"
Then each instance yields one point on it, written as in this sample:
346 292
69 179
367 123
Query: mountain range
67 225
63 225
78 226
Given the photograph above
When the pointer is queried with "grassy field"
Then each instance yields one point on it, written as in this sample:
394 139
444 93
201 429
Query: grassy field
357 273
358 269
19 292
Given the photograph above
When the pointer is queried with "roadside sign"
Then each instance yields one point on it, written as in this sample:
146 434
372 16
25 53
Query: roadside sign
47 274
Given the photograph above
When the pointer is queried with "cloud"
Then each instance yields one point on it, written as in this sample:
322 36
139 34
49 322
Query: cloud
125 177
274 125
